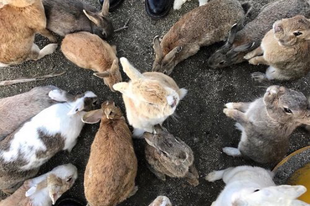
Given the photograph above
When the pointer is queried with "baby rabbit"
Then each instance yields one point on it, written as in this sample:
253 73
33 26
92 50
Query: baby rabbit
70 16
149 98
286 49
168 155
45 189
239 43
253 186
267 123
111 170
161 201
202 26
54 129
18 27
88 51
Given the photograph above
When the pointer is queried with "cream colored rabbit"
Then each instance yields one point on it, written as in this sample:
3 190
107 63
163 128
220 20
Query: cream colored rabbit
286 49
149 98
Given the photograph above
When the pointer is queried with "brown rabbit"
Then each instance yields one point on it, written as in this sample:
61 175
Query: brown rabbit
69 16
203 26
112 166
19 22
168 155
286 49
89 51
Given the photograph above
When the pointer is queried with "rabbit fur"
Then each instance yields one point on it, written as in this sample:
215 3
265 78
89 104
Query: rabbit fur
253 186
70 16
201 26
149 98
110 182
285 49
17 34
54 129
161 201
91 52
239 43
168 155
45 189
267 123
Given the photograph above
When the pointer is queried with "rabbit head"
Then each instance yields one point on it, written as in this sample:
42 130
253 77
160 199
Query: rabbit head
162 62
111 76
284 195
108 111
104 27
82 102
286 106
146 91
291 31
229 53
161 201
173 149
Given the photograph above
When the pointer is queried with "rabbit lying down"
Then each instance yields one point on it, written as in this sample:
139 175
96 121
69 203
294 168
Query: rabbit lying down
45 189
54 129
253 186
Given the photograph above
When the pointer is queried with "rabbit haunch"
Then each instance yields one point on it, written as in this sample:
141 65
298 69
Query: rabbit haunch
54 129
149 98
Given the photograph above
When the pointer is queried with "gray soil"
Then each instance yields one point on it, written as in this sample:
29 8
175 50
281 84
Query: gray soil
200 123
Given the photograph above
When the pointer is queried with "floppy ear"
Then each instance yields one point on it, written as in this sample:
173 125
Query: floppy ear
79 106
92 117
171 55
131 72
105 8
122 87
291 192
92 17
102 74
232 34
244 47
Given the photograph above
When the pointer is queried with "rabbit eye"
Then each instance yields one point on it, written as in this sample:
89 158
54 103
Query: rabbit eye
222 62
297 33
69 179
287 110
256 190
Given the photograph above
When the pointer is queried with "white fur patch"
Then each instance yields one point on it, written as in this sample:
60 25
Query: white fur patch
2 64
231 151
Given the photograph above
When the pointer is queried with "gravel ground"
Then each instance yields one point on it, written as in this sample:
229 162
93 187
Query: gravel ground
201 123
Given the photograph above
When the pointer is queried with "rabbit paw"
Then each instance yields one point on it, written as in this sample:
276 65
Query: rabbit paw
213 176
249 56
229 105
254 61
231 151
258 76
229 112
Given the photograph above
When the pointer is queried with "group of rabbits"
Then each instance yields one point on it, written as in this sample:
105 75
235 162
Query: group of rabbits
47 120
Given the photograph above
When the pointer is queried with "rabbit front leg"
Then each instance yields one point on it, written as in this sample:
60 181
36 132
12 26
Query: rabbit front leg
241 106
258 60
236 115
256 52
48 34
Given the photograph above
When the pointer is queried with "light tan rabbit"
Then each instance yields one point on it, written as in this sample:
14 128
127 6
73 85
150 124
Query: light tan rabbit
18 28
89 51
112 166
149 98
203 26
286 49
45 189
161 201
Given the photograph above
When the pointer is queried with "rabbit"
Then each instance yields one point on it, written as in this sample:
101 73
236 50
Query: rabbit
267 123
253 186
54 129
178 3
168 155
91 52
111 170
239 43
17 109
149 98
70 16
17 34
285 49
202 26
45 189
161 201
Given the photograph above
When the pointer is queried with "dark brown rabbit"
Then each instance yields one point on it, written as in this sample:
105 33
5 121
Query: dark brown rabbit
69 16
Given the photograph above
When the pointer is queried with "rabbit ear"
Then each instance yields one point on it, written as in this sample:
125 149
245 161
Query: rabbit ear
92 17
102 74
232 34
122 87
105 8
92 117
79 106
291 192
244 47
131 72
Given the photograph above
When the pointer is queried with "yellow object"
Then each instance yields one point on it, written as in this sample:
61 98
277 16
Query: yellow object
302 177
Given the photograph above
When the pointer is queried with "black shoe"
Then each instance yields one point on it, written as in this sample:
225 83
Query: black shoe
69 202
158 8
113 4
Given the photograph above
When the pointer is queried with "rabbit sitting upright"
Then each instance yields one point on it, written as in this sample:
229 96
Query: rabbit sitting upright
150 98
54 129
285 49
70 16
168 155
45 189
253 186
267 123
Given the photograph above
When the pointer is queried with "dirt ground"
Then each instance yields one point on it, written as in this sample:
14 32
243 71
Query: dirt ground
201 122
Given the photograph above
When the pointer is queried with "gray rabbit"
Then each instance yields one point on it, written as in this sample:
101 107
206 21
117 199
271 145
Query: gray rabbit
267 123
